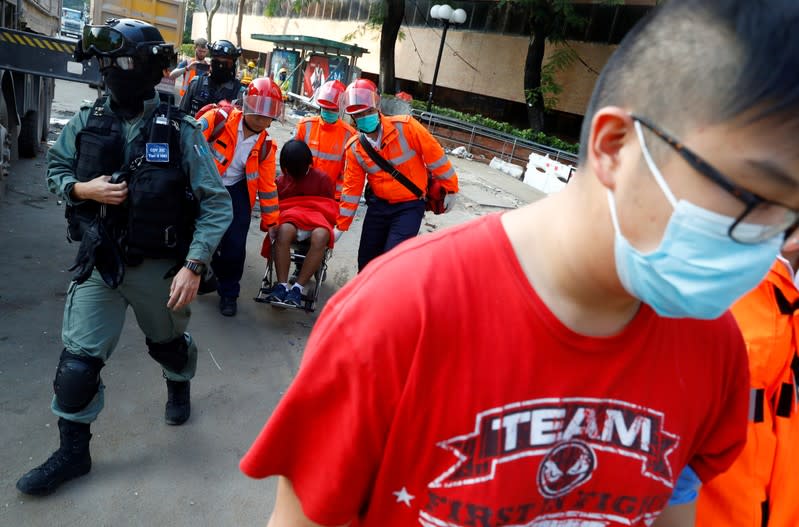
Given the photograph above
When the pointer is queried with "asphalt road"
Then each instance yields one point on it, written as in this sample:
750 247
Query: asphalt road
145 472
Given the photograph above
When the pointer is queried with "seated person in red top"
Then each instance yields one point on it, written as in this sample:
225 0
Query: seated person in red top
308 211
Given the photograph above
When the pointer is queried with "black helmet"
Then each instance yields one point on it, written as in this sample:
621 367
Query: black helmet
125 37
224 48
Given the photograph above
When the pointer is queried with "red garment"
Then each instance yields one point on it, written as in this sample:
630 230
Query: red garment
310 212
315 183
425 398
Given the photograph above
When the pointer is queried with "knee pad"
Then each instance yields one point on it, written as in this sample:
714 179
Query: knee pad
76 381
173 355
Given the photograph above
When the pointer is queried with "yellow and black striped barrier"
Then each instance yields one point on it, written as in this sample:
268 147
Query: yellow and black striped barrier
45 56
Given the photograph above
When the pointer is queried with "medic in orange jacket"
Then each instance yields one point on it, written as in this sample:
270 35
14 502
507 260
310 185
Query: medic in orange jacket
762 486
221 131
327 135
412 150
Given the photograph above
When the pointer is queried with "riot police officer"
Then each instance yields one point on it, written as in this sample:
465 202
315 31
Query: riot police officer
221 84
146 234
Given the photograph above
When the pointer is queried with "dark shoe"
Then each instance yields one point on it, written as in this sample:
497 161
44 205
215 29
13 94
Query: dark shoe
208 283
278 294
178 402
227 306
294 297
70 461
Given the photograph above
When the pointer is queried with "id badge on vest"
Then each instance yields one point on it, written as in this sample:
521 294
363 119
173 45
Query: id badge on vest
157 152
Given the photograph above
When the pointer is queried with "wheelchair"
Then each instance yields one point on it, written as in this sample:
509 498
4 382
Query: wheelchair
311 296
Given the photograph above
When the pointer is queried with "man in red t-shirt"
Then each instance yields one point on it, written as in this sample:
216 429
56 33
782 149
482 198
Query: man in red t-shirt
570 363
308 211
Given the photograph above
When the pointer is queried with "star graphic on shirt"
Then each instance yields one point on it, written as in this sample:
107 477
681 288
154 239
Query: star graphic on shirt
403 496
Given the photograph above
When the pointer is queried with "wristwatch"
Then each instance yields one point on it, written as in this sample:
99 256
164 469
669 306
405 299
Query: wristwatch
195 267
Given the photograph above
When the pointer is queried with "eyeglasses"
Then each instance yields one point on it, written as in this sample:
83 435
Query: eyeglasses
761 220
123 63
102 39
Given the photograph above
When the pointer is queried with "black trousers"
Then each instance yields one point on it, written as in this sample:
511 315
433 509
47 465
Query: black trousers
387 225
228 260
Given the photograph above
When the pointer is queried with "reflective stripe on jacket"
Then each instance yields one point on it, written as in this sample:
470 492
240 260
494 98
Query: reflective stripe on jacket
222 133
761 487
327 142
408 146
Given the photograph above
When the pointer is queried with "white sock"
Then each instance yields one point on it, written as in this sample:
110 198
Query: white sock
298 286
286 285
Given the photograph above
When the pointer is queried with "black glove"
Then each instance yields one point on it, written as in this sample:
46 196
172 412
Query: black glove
99 249
84 261
109 258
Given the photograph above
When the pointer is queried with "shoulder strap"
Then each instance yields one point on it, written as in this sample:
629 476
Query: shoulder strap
386 166
100 120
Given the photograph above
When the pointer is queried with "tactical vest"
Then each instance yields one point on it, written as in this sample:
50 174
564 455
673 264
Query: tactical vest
205 94
158 215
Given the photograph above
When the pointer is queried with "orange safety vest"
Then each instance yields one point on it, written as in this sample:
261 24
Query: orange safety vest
222 132
188 75
412 150
762 485
327 142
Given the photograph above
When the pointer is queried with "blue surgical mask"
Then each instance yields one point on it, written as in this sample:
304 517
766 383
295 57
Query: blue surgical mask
368 123
697 271
329 116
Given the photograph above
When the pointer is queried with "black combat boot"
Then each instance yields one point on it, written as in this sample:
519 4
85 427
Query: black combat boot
70 461
178 403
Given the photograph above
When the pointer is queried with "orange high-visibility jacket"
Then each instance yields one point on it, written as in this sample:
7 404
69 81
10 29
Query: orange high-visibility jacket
327 142
762 486
188 75
408 146
222 132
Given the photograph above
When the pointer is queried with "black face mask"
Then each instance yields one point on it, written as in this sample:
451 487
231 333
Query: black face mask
221 73
129 89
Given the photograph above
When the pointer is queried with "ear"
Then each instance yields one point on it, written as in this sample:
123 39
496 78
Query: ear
611 128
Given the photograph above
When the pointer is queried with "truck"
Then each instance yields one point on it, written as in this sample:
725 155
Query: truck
169 16
32 56
71 22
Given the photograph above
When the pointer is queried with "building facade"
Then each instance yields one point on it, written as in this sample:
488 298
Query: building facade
482 65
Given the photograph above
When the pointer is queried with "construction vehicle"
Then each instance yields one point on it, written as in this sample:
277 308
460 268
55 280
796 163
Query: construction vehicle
71 22
169 16
31 57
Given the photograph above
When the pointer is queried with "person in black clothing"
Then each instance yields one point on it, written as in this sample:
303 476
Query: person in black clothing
221 84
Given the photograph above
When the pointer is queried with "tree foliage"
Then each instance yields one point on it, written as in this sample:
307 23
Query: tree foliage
551 21
385 16
210 7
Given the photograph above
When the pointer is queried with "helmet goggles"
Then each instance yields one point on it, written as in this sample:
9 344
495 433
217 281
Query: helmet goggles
111 48
223 48
102 40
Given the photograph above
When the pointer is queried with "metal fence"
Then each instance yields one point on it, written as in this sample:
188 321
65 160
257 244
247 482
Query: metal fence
505 146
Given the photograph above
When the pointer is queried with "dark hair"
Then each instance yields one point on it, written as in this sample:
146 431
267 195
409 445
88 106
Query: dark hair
295 158
693 63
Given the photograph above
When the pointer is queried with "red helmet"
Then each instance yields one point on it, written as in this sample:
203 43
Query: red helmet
361 95
263 97
329 94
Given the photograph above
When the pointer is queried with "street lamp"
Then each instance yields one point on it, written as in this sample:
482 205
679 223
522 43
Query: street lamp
449 16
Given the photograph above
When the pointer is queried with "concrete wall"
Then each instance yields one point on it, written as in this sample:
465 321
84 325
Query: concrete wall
484 63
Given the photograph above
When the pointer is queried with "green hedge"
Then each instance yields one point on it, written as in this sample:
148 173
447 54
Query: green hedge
187 50
530 135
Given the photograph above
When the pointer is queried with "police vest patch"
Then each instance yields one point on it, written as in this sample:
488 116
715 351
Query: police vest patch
157 152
